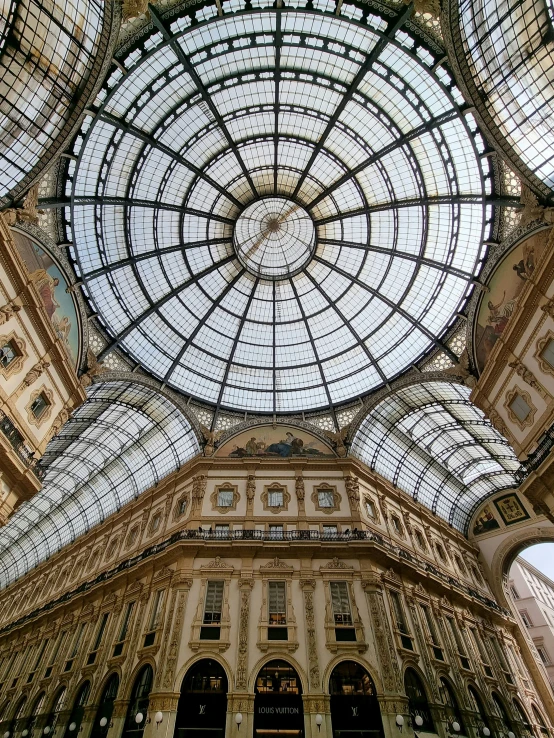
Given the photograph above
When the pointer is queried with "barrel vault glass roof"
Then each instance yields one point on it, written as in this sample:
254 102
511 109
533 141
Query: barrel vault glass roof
123 440
432 442
510 52
351 120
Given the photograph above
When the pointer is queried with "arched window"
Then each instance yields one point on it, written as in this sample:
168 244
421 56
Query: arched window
501 711
77 711
278 701
57 707
540 720
525 724
417 702
355 709
20 708
203 701
477 706
138 704
4 709
38 705
105 708
453 713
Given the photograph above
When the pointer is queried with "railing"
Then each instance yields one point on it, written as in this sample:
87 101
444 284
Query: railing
535 459
298 536
15 438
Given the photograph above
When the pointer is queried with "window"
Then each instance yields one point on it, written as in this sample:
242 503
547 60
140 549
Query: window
514 592
526 619
275 498
420 540
276 532
124 629
325 498
460 564
440 551
98 640
341 603
213 603
543 655
477 574
548 352
225 498
520 407
277 610
8 354
437 651
482 651
417 701
330 531
157 607
401 624
133 535
397 525
370 509
156 521
222 530
39 405
181 507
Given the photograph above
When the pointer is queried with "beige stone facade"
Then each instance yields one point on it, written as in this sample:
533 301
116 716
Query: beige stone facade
136 591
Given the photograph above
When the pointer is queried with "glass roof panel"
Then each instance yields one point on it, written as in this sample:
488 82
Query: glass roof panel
203 280
121 441
431 442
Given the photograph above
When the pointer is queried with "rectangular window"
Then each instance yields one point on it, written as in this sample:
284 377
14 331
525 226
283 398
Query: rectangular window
514 592
156 520
125 623
432 630
341 603
77 642
39 405
225 498
277 599
543 655
8 354
460 647
330 531
40 655
483 655
101 629
276 532
520 407
400 618
526 619
57 648
370 509
397 525
213 603
275 498
157 607
325 498
181 506
548 352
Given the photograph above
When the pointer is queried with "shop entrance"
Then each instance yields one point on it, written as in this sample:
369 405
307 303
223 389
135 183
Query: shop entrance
202 708
278 708
355 711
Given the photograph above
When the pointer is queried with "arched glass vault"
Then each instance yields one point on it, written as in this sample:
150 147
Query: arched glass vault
277 210
430 440
123 440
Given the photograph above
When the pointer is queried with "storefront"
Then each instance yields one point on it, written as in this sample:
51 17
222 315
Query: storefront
278 708
355 711
202 708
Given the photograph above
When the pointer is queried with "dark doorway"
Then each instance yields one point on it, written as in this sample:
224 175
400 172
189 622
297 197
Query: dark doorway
418 703
202 708
105 708
77 711
138 704
355 711
278 708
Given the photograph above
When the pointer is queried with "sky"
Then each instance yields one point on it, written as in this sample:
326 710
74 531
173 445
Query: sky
542 557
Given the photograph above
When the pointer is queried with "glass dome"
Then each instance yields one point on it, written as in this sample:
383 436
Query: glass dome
278 210
47 54
506 54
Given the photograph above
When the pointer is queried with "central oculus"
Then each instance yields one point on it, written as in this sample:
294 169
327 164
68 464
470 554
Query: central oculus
274 238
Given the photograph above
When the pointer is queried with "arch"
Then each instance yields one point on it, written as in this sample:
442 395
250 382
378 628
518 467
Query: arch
500 709
431 441
271 657
522 717
20 706
202 705
278 702
78 709
183 671
105 707
539 720
477 704
452 705
418 703
355 709
373 673
138 703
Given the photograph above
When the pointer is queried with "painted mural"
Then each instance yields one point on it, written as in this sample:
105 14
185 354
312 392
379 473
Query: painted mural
283 442
485 522
497 305
51 286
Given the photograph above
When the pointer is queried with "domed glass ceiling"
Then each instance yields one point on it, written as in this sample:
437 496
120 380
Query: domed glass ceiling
277 210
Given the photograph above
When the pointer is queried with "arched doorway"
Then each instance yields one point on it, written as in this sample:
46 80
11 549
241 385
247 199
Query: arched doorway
105 708
138 703
452 708
355 711
202 707
477 706
77 711
417 702
57 707
30 722
278 709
